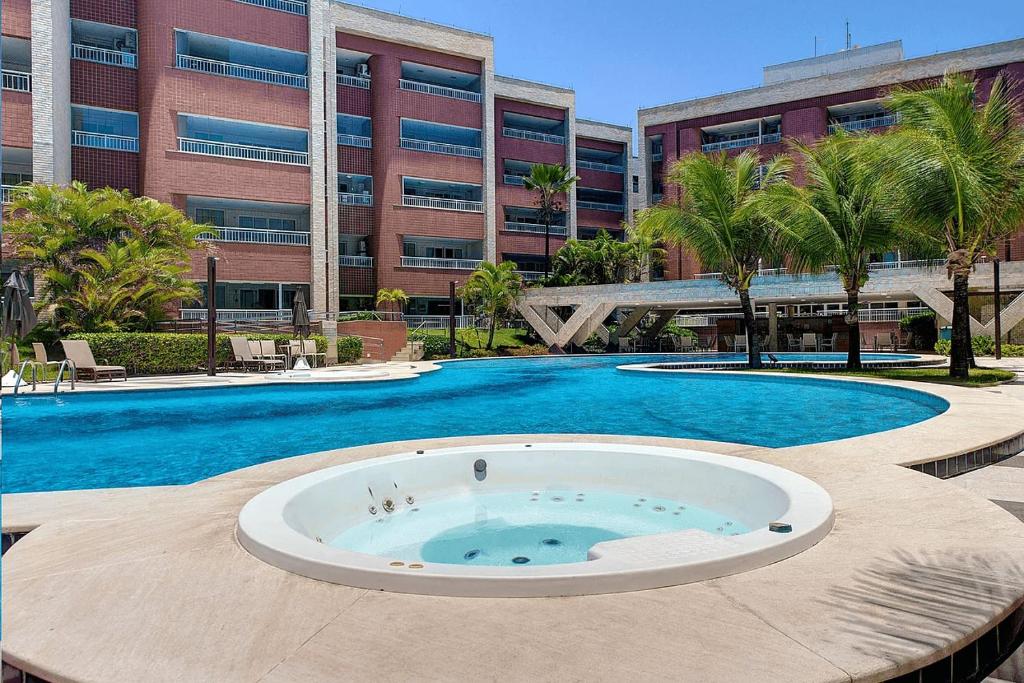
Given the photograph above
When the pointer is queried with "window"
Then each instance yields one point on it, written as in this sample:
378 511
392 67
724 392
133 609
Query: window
265 223
444 252
408 249
104 121
210 216
636 183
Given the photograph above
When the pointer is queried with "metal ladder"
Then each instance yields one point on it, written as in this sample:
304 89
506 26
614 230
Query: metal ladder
64 365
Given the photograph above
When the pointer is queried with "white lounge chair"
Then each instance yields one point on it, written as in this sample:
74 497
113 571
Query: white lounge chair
828 343
79 353
309 351
242 351
809 342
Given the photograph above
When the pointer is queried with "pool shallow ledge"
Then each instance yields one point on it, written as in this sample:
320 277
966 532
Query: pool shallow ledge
281 525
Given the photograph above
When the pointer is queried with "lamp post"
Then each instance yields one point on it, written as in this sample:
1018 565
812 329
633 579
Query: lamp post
999 323
211 315
451 318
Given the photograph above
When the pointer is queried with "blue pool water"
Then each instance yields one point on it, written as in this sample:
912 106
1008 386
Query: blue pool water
141 438
525 527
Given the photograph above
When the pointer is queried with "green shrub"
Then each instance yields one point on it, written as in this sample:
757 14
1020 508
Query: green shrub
942 347
434 345
983 346
671 329
155 353
358 315
350 349
478 353
921 330
529 350
1013 350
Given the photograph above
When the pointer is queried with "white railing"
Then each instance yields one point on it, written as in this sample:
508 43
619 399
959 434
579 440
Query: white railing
533 228
598 166
119 143
438 322
440 90
348 140
354 81
7 193
877 265
533 135
356 261
101 55
599 206
865 124
513 179
238 314
530 275
247 73
886 315
292 238
231 150
769 138
446 204
18 81
290 6
442 263
441 148
731 144
353 199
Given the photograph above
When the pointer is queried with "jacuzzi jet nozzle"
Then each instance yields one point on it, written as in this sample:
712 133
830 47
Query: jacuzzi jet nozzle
480 469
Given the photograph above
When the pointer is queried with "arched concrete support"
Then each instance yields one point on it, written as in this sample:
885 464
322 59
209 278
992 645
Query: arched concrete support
1010 316
663 319
583 322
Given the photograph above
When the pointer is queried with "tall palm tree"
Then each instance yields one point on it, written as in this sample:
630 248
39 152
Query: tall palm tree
391 300
646 252
549 181
493 289
720 220
958 171
841 217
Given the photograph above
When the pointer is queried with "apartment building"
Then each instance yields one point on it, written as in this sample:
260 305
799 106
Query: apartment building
336 149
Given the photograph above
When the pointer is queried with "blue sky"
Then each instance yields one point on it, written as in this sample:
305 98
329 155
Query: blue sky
620 55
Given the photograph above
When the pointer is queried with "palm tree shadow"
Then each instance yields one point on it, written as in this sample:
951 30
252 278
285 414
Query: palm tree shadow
902 608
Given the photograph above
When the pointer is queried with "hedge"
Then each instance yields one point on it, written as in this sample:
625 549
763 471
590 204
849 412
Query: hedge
153 353
982 345
434 345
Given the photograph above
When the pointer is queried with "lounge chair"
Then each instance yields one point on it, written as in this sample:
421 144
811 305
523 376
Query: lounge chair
244 356
309 351
809 342
85 366
686 344
828 343
792 342
268 351
884 342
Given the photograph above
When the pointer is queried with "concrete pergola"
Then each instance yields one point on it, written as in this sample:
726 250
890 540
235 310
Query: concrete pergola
589 306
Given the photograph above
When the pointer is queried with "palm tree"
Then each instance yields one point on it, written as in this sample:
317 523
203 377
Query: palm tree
840 217
548 181
958 171
646 252
494 290
392 300
719 219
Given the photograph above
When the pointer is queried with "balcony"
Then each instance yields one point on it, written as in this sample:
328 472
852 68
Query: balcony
441 148
291 238
535 229
880 121
533 135
440 263
246 73
352 199
600 206
599 200
17 81
289 6
731 144
353 81
347 140
439 90
117 143
599 166
444 204
247 152
101 55
530 275
354 131
356 261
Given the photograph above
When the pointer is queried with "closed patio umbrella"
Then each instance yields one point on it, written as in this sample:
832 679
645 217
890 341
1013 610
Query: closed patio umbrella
300 321
18 316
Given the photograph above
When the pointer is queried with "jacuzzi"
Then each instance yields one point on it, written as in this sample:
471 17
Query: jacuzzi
531 520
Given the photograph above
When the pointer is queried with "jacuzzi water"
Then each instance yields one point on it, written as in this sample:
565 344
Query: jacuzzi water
524 527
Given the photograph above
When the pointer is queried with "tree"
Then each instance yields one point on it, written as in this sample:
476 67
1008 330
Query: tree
840 217
600 261
957 171
646 252
549 181
106 260
720 220
493 289
392 300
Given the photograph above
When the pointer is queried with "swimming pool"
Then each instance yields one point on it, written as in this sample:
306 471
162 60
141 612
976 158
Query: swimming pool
144 438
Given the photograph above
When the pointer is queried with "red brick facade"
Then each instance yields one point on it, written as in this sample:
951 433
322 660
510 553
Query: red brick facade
17 119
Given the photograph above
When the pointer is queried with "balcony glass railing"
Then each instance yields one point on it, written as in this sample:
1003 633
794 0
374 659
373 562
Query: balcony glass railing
353 199
18 81
441 148
356 261
445 204
600 206
599 166
865 124
118 143
731 144
441 263
533 135
530 275
289 6
238 313
347 140
513 179
533 228
292 238
439 90
246 73
354 81
231 150
100 55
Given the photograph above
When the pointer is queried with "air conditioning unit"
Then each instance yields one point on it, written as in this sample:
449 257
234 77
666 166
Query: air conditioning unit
363 70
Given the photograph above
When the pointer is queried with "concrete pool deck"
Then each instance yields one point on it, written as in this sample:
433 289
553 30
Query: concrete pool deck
153 585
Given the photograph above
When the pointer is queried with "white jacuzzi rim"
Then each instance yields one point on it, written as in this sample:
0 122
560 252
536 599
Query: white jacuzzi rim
263 531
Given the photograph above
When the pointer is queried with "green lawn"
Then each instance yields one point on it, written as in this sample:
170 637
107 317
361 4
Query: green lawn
980 377
503 337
